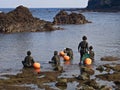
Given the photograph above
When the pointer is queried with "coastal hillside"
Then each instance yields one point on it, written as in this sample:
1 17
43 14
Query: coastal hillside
104 5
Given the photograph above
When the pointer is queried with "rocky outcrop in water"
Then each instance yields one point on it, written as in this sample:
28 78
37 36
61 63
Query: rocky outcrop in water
21 20
73 18
105 5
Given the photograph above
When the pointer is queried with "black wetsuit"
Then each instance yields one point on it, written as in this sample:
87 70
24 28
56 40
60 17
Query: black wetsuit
28 61
69 52
56 59
82 48
92 54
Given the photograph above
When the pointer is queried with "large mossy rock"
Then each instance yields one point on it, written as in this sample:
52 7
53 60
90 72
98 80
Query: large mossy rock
21 20
73 18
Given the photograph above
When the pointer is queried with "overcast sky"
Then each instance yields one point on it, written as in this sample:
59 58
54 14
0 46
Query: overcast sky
44 3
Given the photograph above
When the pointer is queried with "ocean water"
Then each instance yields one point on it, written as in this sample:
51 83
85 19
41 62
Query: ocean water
103 34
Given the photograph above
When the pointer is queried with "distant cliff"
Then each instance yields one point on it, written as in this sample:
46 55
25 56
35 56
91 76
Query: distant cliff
104 5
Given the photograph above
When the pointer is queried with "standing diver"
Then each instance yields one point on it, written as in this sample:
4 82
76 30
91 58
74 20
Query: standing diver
83 47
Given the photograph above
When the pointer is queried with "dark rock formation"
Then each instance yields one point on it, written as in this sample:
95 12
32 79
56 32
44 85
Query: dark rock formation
73 18
110 58
21 20
113 5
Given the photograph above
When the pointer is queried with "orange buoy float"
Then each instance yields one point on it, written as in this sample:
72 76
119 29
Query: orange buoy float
36 65
66 58
88 61
62 53
67 62
37 70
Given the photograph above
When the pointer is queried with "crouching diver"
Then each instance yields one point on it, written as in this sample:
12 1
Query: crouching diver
55 59
69 52
28 61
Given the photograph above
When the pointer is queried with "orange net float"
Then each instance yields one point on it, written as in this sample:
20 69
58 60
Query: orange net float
37 70
36 65
62 53
88 61
66 58
67 63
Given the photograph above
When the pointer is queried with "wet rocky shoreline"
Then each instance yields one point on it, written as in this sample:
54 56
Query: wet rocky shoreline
29 77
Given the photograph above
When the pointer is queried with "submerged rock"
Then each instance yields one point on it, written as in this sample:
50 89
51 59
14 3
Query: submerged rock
21 20
100 68
73 18
84 76
117 83
87 70
108 70
116 68
104 87
109 58
85 87
92 83
110 77
62 82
